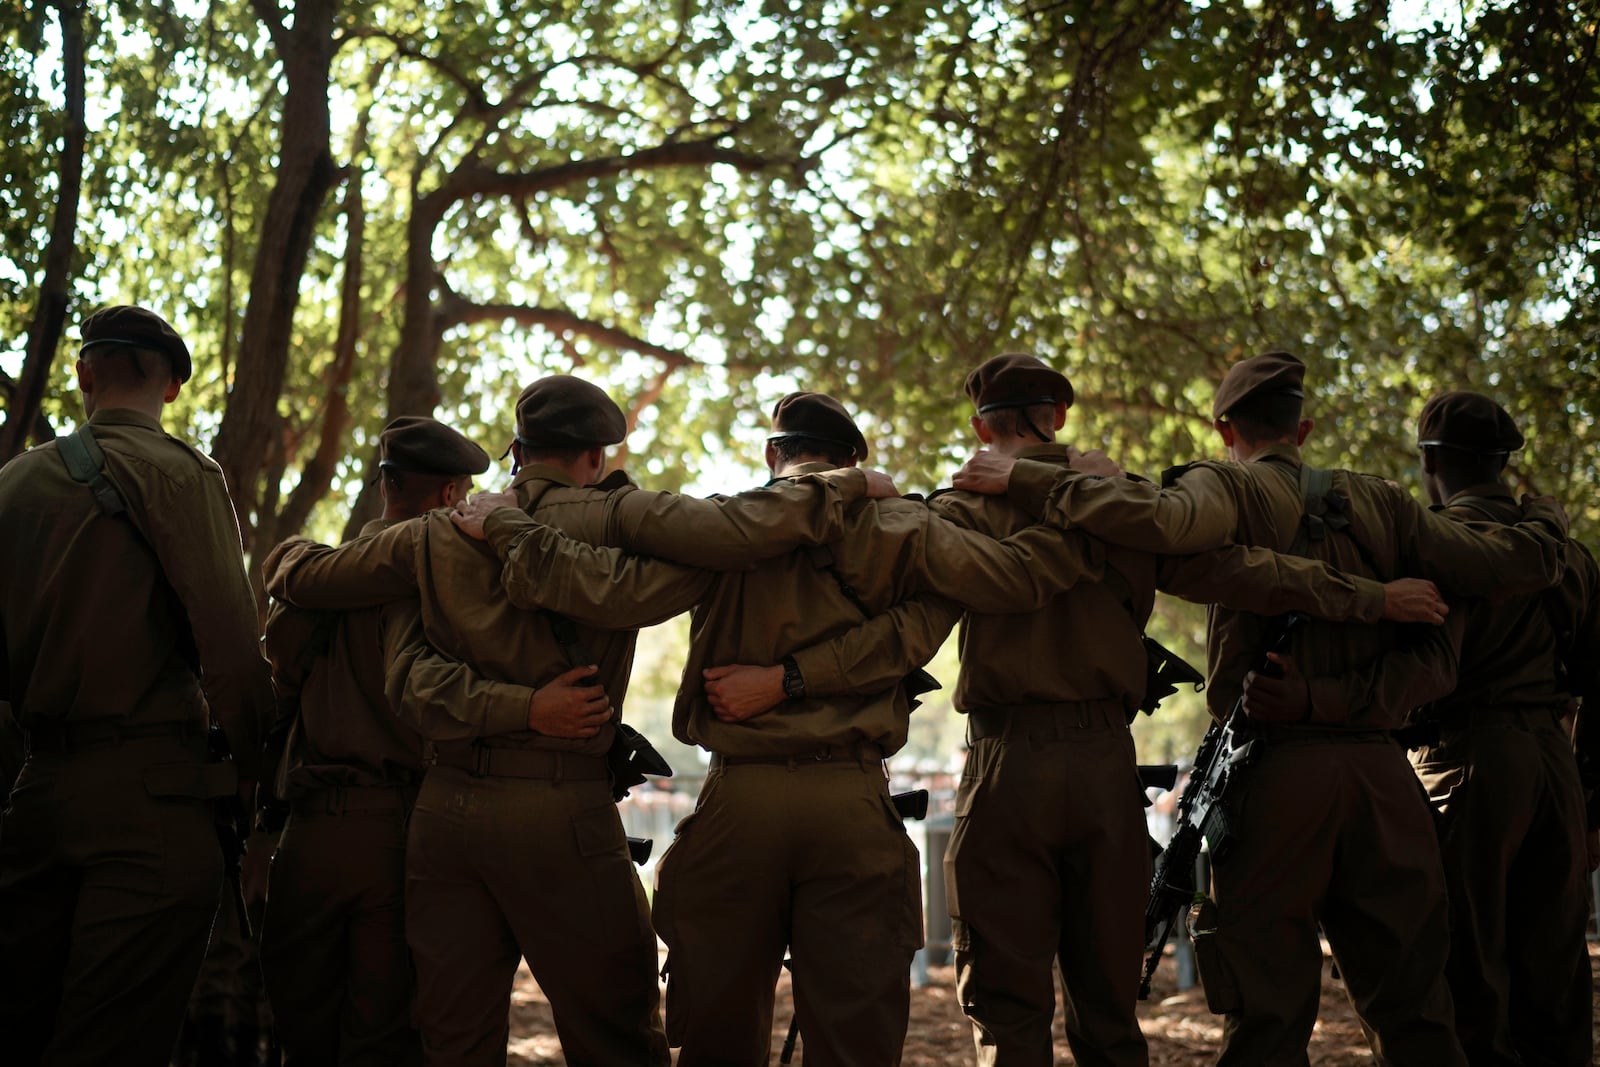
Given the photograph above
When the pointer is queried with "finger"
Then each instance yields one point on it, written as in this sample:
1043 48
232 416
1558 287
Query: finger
573 675
711 674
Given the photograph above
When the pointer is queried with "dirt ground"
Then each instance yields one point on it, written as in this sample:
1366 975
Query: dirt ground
1182 1033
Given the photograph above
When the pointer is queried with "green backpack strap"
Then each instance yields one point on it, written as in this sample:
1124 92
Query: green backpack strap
87 465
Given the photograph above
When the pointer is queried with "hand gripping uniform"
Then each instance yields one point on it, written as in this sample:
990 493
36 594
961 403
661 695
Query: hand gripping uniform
515 847
1331 828
124 636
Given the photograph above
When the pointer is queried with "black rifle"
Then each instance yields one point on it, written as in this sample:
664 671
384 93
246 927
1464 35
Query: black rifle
233 828
912 804
1202 816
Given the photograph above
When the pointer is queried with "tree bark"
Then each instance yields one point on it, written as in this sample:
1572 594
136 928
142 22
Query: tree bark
305 175
317 477
24 409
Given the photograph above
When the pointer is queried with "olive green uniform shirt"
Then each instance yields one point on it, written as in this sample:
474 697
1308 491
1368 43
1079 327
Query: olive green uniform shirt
888 552
141 618
1514 645
347 733
1259 502
466 615
1084 645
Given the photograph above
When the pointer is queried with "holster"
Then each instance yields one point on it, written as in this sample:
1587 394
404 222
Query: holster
630 759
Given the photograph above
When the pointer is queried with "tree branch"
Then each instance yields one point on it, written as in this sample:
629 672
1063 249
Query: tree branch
271 16
471 179
458 311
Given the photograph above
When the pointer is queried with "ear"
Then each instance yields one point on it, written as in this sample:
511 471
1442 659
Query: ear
1224 431
981 428
451 492
1430 461
771 455
1061 415
85 376
170 393
1304 431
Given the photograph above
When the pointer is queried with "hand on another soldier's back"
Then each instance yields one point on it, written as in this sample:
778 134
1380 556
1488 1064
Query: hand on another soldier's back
564 708
738 691
469 514
1093 462
1285 697
1413 600
986 472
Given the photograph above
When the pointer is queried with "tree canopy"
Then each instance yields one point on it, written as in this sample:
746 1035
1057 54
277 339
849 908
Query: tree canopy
354 211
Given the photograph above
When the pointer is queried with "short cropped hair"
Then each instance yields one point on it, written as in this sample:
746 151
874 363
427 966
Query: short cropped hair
791 449
409 490
1461 466
1013 422
129 366
1268 417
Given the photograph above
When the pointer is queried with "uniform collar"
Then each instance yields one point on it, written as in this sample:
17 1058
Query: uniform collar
545 473
125 417
1488 490
802 469
380 525
1043 452
1279 453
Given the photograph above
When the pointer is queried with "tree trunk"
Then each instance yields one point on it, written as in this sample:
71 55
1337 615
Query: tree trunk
413 379
305 175
24 409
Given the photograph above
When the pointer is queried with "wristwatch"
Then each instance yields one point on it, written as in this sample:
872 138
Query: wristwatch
794 683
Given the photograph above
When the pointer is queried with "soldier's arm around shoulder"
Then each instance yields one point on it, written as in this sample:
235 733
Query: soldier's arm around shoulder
1480 558
732 532
594 585
1195 512
362 573
190 524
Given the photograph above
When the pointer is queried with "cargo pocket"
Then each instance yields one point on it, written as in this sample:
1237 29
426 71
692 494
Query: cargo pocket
1222 992
676 1015
599 832
909 932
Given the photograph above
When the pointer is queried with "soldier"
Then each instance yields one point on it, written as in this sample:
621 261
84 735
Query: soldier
129 628
1049 862
333 948
515 846
1331 828
786 848
1500 771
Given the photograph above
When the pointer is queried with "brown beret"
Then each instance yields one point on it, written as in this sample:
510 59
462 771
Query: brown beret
1275 373
820 417
1468 421
566 412
124 324
427 446
1016 380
